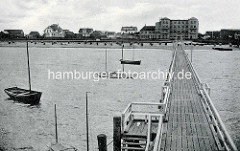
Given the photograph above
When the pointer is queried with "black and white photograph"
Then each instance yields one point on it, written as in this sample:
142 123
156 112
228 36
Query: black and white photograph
119 75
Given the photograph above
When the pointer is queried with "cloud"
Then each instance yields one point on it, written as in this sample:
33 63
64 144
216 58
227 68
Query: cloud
112 15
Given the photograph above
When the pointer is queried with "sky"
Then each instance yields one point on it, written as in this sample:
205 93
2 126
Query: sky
111 15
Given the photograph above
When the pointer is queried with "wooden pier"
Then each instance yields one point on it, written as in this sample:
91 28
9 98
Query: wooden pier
185 119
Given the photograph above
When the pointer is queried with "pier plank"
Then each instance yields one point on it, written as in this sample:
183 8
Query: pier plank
187 127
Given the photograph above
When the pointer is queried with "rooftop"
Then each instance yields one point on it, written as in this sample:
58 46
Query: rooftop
14 31
148 28
128 27
55 27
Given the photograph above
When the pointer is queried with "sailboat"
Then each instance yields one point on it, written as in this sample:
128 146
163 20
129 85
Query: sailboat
132 62
57 146
23 95
106 74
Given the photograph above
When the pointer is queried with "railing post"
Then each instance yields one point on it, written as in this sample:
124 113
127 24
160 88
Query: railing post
102 142
162 96
117 133
208 89
149 117
122 122
130 108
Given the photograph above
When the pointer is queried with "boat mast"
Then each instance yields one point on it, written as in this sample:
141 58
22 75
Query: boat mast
122 52
133 58
87 120
106 60
29 74
56 130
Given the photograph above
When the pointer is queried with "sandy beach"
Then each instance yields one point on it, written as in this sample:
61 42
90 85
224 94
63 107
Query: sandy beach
108 45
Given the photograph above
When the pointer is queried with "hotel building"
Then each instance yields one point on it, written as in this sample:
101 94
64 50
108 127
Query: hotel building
172 29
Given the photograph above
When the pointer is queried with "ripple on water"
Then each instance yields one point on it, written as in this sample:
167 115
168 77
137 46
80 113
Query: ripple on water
31 126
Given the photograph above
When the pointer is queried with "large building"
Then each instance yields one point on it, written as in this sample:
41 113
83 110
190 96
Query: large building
173 29
54 31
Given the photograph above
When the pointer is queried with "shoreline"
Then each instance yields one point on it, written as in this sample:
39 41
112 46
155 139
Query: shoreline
110 45
105 45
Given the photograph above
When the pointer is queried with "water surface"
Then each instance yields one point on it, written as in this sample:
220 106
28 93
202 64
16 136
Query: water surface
24 127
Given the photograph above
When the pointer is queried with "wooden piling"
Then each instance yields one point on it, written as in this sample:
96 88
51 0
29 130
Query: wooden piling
117 133
56 130
102 142
87 128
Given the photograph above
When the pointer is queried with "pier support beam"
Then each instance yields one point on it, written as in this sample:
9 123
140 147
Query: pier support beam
117 133
102 142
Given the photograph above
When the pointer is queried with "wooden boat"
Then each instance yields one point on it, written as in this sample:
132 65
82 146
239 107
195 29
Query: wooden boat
57 146
106 74
60 147
222 49
132 62
23 95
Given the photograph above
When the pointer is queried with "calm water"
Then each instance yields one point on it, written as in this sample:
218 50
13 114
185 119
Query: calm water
33 127
221 70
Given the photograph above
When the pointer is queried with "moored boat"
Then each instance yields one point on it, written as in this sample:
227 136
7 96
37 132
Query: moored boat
60 147
132 62
23 95
222 49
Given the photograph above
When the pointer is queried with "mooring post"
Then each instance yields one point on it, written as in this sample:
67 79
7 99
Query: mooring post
55 116
87 128
208 89
162 96
102 142
117 133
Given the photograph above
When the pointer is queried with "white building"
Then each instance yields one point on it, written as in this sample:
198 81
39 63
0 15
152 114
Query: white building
177 29
54 31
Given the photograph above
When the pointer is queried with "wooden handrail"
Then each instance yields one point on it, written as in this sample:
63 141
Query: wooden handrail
166 96
159 135
147 103
128 112
149 132
129 106
220 125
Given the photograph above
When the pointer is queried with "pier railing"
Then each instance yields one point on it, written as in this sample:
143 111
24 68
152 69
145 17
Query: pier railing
157 143
147 111
130 114
222 137
139 110
157 140
166 89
